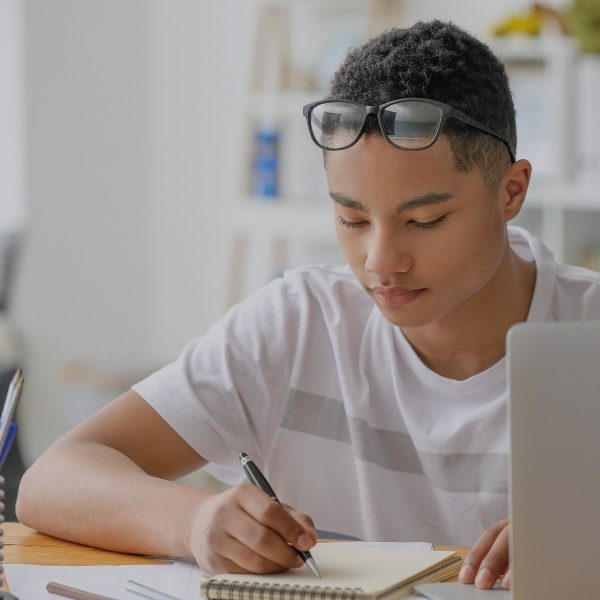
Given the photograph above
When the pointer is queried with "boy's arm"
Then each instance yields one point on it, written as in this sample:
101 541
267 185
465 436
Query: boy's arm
106 484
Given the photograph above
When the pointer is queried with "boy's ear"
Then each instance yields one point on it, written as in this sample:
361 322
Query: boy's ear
513 188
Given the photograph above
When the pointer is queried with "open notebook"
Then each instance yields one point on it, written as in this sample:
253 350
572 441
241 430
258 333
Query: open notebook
348 573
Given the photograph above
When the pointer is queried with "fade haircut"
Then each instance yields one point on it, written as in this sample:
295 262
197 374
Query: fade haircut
442 62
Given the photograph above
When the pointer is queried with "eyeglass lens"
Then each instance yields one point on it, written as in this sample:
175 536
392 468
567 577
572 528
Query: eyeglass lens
411 124
406 124
336 124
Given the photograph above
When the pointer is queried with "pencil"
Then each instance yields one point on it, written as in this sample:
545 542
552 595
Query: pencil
74 593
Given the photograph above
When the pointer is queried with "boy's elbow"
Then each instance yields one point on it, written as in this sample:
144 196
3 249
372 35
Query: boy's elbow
30 498
23 503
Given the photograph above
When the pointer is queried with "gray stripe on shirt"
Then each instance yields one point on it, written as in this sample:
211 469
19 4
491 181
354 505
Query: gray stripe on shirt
327 418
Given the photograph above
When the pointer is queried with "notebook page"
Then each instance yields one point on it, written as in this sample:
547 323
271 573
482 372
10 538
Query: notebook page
398 545
341 565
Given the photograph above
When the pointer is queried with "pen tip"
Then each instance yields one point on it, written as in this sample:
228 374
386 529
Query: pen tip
312 565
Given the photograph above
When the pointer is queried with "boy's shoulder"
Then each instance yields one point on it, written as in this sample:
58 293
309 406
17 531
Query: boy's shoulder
327 285
331 291
577 292
322 274
563 292
579 276
327 289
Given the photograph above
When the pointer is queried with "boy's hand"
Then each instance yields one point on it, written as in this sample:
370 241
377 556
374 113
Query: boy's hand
488 559
242 530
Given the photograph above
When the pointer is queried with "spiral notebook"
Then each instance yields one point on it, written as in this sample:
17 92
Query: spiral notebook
347 573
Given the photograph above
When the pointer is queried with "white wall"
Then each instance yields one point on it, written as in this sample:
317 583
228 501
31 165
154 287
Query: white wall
133 113
85 275
11 116
200 64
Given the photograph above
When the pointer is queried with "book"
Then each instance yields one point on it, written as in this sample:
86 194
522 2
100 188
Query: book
347 573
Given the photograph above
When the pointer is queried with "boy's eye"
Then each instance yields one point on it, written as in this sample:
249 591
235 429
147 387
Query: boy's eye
349 224
419 224
429 224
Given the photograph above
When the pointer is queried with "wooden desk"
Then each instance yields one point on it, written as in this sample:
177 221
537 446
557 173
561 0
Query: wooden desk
23 545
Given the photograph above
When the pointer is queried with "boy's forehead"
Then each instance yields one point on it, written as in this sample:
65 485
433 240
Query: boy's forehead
373 172
373 157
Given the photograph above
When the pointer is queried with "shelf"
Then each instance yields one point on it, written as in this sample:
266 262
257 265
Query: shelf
281 104
310 217
565 197
532 49
306 219
271 233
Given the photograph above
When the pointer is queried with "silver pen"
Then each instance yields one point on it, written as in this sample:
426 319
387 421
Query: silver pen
146 592
254 476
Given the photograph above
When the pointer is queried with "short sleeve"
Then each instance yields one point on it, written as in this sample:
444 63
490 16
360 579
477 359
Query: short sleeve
221 393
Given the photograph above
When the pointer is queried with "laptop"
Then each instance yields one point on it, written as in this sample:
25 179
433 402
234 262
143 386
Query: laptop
554 417
554 412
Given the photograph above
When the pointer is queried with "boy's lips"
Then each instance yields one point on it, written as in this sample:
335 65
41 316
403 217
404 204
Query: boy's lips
396 296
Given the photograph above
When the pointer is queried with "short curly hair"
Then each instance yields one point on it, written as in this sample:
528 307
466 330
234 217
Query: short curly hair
439 61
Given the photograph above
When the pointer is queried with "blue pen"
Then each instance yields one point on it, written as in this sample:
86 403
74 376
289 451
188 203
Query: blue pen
8 442
8 432
8 429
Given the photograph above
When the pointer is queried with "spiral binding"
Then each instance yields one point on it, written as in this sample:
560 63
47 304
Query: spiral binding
225 589
1 534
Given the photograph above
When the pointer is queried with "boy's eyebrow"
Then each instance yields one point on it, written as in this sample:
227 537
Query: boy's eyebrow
418 201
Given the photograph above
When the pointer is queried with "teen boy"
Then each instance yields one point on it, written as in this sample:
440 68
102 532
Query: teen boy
373 395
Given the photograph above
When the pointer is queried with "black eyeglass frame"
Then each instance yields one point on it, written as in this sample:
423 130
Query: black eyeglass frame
448 112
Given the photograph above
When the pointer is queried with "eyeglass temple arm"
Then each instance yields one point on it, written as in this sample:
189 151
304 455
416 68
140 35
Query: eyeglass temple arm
457 114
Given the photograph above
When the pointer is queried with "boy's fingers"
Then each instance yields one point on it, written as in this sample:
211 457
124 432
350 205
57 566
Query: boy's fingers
273 515
242 559
479 551
495 562
305 521
264 542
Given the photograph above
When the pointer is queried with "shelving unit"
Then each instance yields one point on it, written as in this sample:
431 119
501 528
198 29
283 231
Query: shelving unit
562 208
563 204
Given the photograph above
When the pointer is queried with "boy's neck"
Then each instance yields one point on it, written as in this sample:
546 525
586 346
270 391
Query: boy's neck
473 338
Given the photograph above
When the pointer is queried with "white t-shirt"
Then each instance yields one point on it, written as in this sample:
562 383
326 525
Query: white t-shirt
329 399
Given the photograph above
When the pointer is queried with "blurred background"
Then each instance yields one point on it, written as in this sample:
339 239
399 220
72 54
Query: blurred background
155 168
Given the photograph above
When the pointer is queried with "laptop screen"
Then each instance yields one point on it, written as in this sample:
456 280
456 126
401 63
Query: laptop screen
554 416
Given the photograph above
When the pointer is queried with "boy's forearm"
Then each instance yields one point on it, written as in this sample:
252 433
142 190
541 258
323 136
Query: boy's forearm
115 505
